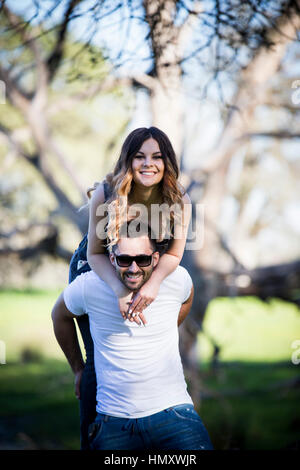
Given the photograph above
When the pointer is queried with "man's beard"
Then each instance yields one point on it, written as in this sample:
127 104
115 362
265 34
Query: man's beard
128 280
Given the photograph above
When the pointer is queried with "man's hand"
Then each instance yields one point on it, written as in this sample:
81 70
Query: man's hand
78 376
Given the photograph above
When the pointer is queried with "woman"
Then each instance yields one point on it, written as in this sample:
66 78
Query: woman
146 173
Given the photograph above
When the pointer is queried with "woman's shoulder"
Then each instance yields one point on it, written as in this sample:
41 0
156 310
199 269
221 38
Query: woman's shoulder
186 198
98 194
101 192
107 188
184 195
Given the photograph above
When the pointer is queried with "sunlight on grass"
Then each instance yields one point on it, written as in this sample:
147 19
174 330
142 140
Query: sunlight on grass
249 329
26 325
25 322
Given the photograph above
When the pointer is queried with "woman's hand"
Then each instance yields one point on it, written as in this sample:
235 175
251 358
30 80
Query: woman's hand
143 298
125 299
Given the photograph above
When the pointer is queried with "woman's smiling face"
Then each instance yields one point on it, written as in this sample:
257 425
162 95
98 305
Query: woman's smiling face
148 164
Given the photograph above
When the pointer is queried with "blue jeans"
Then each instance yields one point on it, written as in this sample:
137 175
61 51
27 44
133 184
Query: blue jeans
88 386
176 428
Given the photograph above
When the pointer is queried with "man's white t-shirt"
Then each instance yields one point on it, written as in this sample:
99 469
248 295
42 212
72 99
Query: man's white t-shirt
138 369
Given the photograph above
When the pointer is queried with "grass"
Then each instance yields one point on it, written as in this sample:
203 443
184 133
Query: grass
249 402
256 407
38 406
250 330
39 409
25 323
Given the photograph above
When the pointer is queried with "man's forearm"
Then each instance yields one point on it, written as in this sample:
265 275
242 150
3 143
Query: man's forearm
183 313
66 335
185 308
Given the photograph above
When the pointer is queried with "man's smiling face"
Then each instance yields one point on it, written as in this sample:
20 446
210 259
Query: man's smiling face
134 276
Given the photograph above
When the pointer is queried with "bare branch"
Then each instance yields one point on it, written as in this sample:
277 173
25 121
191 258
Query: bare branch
223 244
54 60
48 244
18 25
17 96
254 77
24 230
65 204
145 80
271 135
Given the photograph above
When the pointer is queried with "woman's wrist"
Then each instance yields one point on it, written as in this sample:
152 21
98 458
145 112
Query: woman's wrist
156 278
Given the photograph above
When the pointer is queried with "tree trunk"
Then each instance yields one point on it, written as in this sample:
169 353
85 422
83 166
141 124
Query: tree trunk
166 90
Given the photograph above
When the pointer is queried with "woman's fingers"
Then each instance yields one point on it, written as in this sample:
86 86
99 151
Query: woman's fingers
135 319
138 317
137 298
143 319
135 309
139 304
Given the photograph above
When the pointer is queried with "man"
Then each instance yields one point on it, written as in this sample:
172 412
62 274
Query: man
142 401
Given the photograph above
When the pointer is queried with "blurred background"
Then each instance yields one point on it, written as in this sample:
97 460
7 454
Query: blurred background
222 79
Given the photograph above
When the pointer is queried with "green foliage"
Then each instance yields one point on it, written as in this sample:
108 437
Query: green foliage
83 65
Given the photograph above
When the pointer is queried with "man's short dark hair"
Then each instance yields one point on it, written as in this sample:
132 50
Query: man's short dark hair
132 229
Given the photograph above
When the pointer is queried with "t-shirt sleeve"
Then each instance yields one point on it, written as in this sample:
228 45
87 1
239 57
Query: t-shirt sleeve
74 296
187 286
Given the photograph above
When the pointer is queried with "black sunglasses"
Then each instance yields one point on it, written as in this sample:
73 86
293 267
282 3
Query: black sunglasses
124 261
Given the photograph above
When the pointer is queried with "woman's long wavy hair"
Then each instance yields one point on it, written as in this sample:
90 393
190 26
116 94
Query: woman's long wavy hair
121 179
